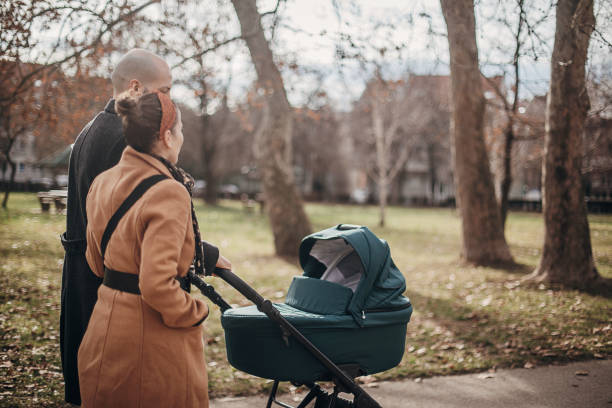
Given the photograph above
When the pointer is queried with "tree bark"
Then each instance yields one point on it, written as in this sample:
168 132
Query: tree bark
511 113
208 149
382 199
211 193
483 238
382 159
9 186
431 169
507 175
567 257
273 142
10 141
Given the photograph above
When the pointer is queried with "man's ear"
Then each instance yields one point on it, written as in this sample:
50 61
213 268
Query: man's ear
136 89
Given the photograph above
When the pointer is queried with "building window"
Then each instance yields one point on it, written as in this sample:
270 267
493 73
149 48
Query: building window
20 167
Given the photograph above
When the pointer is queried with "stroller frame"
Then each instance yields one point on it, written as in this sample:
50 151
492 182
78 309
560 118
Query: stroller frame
342 377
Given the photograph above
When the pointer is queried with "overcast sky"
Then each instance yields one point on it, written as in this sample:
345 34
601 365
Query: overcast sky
309 34
310 31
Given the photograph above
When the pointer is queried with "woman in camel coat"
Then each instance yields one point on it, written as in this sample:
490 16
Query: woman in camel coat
145 349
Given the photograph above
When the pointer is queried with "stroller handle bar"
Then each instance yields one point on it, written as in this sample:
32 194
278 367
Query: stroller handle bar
207 290
362 398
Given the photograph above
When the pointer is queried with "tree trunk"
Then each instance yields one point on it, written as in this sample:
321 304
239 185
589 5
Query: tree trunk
382 158
509 132
7 154
567 257
507 175
431 169
483 238
273 142
211 193
382 198
208 150
209 156
9 186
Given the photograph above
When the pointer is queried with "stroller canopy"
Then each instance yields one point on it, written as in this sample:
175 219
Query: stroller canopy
355 258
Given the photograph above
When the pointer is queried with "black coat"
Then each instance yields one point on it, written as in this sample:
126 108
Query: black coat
97 148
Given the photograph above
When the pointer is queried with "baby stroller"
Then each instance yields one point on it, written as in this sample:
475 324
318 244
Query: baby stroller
345 317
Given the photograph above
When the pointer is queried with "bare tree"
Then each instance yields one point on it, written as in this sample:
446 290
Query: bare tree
483 238
198 38
597 160
273 138
385 119
29 58
525 40
316 142
567 257
428 121
18 118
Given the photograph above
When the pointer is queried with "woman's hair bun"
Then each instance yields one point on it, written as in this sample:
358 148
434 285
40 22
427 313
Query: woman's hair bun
126 106
141 120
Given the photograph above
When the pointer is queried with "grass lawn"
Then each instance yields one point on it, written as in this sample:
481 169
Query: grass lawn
465 319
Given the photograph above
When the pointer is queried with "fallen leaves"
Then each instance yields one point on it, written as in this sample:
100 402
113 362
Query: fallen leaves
466 319
368 381
486 301
485 376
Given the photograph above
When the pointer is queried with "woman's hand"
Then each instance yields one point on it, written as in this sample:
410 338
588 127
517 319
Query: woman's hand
223 263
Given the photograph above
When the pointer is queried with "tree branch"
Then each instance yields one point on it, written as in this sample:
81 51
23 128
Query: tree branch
272 12
209 49
79 52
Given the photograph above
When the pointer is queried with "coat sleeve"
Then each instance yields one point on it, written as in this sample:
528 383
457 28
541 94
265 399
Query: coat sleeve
165 217
92 253
211 256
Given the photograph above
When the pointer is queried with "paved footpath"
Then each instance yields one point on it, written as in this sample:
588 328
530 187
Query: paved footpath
581 385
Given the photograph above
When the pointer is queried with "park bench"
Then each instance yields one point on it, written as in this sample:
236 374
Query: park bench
58 197
249 204
45 200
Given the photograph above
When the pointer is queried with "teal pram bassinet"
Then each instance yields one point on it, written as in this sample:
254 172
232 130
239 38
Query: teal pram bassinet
348 303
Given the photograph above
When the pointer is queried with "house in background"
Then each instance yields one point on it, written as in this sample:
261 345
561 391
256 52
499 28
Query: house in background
52 112
34 174
427 176
24 157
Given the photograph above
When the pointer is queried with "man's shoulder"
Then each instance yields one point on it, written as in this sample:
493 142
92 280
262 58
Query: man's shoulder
103 123
102 134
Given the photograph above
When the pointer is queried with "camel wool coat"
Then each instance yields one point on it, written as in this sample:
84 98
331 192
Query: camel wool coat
143 350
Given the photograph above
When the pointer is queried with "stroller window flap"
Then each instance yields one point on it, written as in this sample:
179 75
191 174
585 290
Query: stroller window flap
318 296
342 262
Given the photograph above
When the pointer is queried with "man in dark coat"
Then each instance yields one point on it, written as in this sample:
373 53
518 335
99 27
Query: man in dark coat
97 148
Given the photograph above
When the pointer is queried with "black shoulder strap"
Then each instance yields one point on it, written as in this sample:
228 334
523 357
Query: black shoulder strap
126 205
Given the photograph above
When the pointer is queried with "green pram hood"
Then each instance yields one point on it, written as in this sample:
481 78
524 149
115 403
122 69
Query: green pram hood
380 286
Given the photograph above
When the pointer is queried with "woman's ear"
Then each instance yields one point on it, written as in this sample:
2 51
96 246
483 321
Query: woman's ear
167 138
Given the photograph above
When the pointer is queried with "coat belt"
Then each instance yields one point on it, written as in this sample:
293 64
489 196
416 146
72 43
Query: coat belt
125 282
73 245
